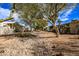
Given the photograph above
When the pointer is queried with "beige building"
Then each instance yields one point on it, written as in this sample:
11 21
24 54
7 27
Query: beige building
6 29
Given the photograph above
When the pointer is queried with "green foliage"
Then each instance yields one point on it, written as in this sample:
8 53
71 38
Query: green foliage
9 18
29 10
18 28
1 20
39 23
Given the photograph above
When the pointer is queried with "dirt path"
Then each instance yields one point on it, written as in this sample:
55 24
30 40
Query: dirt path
45 43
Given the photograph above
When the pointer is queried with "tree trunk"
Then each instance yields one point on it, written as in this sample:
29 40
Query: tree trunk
55 17
56 30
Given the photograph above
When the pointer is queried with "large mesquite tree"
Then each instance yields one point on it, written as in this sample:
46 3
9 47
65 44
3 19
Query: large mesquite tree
43 10
51 12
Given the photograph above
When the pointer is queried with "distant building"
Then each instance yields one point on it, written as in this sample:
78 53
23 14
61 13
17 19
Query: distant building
7 23
74 27
70 28
5 28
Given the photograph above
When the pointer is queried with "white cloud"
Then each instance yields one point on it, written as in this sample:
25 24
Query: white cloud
64 19
4 13
65 13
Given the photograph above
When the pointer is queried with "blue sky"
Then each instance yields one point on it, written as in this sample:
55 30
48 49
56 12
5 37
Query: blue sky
4 10
70 14
5 5
65 16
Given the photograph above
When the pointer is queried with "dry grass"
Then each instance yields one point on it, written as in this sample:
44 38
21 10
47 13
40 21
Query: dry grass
44 44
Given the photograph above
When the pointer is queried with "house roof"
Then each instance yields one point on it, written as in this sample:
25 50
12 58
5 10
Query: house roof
9 21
